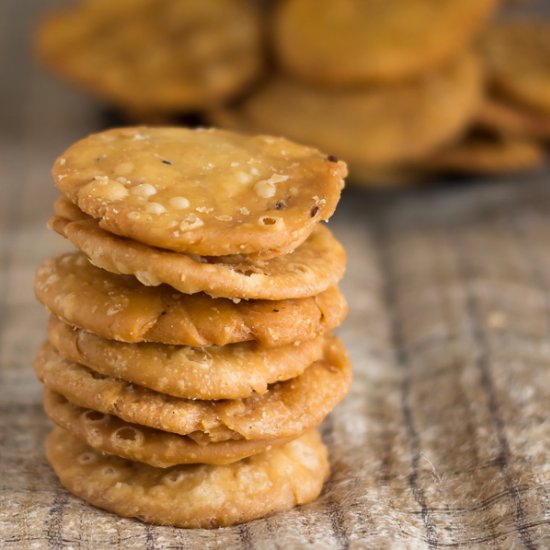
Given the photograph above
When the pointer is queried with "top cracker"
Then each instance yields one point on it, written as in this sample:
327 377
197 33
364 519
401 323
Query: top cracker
208 192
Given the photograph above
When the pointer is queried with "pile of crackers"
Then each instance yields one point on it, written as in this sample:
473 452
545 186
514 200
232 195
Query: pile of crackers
400 89
189 356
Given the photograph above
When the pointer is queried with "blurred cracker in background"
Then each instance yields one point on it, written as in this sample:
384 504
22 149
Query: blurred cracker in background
152 58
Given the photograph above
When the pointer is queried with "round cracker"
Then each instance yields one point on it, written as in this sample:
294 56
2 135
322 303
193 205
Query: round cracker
149 56
205 191
343 42
158 448
120 308
192 496
217 372
374 126
287 409
313 267
509 119
497 155
517 57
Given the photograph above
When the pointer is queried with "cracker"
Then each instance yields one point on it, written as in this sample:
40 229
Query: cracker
312 268
517 56
387 177
366 126
371 41
120 308
207 192
216 372
147 56
511 119
192 496
287 409
158 448
485 155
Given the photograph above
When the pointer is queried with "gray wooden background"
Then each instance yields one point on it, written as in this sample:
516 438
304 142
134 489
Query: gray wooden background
444 440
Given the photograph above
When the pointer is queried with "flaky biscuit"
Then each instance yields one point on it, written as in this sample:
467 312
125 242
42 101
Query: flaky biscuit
150 57
121 308
287 409
205 191
313 267
511 119
233 371
351 42
488 155
158 448
366 125
192 496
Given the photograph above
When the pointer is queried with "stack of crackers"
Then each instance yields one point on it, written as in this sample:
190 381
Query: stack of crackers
189 354
401 89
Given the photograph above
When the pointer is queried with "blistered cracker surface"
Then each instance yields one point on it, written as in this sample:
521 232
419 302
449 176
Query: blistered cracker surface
120 308
358 41
193 496
314 266
150 57
110 434
287 409
203 191
213 372
367 125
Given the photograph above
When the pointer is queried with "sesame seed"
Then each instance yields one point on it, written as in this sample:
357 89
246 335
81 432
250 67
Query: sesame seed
244 177
224 218
166 161
62 161
244 211
204 209
133 216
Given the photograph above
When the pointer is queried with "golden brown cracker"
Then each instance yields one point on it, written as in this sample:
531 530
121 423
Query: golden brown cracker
158 448
286 409
204 191
233 371
367 126
192 496
517 56
351 42
150 57
120 308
